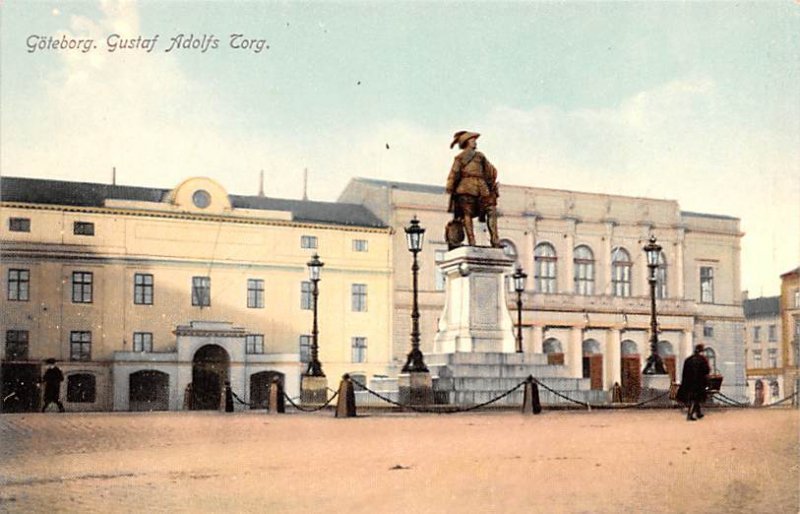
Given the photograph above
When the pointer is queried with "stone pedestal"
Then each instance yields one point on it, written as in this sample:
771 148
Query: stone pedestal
313 390
475 317
654 386
415 388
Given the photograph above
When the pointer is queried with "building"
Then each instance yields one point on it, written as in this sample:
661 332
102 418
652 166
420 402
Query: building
762 337
790 337
138 292
587 302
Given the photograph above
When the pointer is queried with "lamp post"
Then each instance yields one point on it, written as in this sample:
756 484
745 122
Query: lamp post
414 237
654 366
519 286
314 267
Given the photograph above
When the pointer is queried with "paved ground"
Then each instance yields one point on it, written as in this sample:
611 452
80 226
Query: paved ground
560 461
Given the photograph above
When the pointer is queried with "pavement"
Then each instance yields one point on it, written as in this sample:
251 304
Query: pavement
733 460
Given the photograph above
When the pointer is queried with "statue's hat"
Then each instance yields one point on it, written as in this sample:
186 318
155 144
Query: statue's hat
463 136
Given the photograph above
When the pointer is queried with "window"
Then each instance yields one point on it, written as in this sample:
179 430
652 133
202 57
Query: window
756 358
255 293
81 388
201 291
509 249
360 245
711 355
706 284
142 341
797 299
80 346
621 272
661 277
305 295
308 241
16 345
83 228
774 389
359 349
18 285
82 286
305 349
772 354
584 270
254 343
708 330
545 268
19 224
756 334
438 277
143 289
772 333
359 297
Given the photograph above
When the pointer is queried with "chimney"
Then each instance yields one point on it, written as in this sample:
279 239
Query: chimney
305 184
113 175
261 184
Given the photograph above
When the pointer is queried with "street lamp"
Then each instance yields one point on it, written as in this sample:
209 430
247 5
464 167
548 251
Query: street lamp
414 237
314 267
519 286
654 366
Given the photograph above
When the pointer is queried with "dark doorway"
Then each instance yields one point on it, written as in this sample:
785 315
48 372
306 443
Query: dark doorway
759 393
210 370
259 388
149 390
631 378
20 391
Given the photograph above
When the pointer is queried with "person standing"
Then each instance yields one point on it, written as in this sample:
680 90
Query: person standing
694 382
52 379
472 185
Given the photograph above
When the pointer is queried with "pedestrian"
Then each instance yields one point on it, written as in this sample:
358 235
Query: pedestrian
52 385
694 383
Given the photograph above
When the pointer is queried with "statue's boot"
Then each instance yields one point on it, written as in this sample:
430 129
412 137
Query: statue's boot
470 231
491 224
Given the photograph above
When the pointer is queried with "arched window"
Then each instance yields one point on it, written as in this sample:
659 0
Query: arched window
620 272
711 355
81 388
591 346
552 348
584 270
665 348
661 277
545 268
629 347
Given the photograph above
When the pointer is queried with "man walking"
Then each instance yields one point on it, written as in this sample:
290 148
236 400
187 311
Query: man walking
52 385
694 381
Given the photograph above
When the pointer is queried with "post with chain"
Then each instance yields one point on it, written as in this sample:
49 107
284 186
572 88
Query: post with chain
276 400
530 402
228 397
346 404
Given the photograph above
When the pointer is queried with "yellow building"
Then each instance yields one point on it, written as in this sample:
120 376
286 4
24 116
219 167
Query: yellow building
764 361
138 292
790 337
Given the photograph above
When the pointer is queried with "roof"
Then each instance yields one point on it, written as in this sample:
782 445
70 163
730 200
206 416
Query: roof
795 271
706 215
404 186
86 194
762 307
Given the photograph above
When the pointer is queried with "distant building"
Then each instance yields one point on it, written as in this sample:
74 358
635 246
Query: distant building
790 319
587 303
763 349
139 292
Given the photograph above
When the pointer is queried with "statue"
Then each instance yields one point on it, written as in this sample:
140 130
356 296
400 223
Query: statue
472 185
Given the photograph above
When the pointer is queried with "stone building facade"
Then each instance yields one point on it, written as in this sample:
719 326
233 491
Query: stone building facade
138 292
790 338
587 299
762 344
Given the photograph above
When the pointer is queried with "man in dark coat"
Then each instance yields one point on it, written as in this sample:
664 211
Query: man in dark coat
694 382
52 385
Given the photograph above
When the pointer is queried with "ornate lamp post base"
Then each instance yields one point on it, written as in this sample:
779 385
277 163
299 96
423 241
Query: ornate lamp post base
313 390
415 387
654 366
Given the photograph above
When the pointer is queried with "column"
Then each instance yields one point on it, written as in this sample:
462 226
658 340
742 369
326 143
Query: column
575 352
605 286
676 268
613 356
537 339
566 272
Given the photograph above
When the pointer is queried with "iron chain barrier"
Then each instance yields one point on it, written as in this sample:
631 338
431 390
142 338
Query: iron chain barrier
311 409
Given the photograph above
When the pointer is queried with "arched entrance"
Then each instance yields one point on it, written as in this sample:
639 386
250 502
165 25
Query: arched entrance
555 353
667 354
759 393
259 388
593 363
210 369
631 371
149 390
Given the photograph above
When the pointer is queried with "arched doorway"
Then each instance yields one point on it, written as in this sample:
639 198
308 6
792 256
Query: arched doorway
631 370
759 393
593 363
667 354
210 369
555 354
149 390
259 388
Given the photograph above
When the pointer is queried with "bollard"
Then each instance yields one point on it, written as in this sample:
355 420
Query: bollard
228 397
530 402
276 403
616 393
346 406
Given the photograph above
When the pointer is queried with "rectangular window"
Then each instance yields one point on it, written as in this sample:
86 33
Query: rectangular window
708 330
772 333
359 298
83 228
756 334
19 224
756 358
706 284
82 283
255 293
16 345
360 245
18 285
359 349
439 278
305 349
143 289
254 343
308 242
80 346
797 299
142 341
305 295
201 291
773 357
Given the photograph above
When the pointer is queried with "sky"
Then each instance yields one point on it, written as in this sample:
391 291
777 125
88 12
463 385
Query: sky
697 102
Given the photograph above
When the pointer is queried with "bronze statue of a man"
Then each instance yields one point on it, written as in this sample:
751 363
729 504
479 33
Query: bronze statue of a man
472 185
